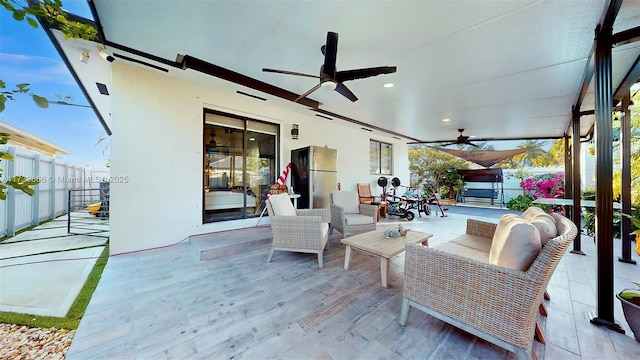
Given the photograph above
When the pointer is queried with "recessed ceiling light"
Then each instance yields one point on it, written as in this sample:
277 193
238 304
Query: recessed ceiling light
388 85
252 139
472 136
445 120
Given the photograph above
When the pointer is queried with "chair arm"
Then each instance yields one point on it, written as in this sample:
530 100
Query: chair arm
297 232
313 212
499 301
337 215
481 228
369 210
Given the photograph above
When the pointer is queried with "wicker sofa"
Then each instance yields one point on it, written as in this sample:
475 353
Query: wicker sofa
464 289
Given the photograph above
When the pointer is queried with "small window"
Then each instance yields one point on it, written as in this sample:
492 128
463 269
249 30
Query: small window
380 158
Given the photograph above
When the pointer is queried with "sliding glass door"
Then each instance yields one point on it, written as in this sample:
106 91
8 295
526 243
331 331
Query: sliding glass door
240 158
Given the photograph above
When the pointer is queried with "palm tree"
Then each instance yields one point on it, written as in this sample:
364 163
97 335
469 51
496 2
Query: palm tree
534 150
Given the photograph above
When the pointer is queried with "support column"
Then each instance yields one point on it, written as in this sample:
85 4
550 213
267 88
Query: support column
575 177
625 195
604 181
568 172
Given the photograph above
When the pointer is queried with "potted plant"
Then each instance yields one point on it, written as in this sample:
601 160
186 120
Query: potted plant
630 299
635 220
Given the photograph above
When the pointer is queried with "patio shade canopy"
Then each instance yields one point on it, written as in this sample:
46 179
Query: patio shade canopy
484 157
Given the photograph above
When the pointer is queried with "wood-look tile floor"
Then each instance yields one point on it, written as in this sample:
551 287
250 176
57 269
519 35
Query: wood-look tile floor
167 304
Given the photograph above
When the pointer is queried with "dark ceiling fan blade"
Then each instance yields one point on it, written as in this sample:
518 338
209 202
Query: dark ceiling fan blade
330 51
364 73
308 92
447 144
289 73
344 91
470 143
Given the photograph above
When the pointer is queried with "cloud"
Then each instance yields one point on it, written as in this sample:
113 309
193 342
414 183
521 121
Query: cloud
19 68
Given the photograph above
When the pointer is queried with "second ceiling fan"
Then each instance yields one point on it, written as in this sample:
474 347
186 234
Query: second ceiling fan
461 140
329 76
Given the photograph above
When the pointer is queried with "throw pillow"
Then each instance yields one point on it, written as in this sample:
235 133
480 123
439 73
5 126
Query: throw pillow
531 212
546 227
281 205
516 243
348 200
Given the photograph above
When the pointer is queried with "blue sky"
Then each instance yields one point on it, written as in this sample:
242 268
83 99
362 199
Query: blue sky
27 56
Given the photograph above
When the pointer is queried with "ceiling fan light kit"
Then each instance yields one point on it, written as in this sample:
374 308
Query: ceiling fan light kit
332 79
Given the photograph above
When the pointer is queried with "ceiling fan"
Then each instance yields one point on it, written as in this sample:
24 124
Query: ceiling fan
330 77
461 140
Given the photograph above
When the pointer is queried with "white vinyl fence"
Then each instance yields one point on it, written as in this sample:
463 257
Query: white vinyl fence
50 200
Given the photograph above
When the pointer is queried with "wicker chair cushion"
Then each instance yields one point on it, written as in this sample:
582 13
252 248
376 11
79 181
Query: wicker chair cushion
281 205
325 229
462 250
357 219
546 227
348 200
516 243
474 241
532 212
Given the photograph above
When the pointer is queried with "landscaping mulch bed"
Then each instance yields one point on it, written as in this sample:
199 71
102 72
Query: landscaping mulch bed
24 342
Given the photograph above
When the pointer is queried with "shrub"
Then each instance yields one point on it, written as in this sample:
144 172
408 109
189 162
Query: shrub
520 202
544 185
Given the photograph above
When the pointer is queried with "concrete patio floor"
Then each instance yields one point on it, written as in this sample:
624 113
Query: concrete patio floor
43 270
166 303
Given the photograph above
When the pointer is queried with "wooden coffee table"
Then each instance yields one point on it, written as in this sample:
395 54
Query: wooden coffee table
375 243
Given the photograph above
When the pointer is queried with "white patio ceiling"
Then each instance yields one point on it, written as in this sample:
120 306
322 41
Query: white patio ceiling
498 69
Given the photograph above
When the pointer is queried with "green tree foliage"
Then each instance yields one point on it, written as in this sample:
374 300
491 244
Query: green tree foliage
552 158
436 169
533 153
51 12
5 95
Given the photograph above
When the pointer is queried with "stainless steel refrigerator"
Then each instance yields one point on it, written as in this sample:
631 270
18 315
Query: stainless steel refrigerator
314 175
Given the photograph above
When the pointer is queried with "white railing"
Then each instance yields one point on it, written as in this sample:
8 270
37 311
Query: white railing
20 210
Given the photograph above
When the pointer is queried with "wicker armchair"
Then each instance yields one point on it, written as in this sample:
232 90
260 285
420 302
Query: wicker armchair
494 303
297 230
349 217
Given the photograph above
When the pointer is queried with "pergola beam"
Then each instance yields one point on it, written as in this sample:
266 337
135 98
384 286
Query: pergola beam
626 37
625 85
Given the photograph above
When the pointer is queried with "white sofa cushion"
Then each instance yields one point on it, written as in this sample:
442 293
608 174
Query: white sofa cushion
462 250
325 229
531 212
357 219
546 227
348 200
281 205
516 243
474 242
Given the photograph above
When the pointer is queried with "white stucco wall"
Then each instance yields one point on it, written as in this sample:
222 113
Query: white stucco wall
157 125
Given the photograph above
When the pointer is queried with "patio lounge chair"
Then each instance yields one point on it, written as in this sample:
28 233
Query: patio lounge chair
498 304
349 216
366 197
297 230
